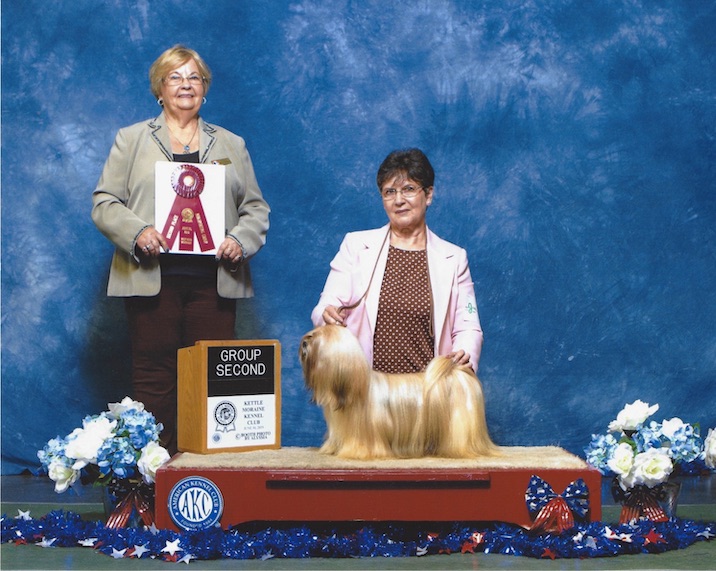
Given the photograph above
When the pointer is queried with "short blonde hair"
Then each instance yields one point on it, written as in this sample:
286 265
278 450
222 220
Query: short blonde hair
171 59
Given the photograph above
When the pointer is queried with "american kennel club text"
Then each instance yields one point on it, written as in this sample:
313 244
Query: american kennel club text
241 396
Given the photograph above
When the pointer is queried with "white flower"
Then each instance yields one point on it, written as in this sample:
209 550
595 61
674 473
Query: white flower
710 449
117 408
622 460
632 416
83 443
153 457
651 468
669 428
62 475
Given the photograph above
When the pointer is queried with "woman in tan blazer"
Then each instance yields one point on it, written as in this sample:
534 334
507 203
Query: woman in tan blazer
173 300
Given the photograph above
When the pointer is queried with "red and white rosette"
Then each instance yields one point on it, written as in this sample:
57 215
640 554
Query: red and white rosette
186 218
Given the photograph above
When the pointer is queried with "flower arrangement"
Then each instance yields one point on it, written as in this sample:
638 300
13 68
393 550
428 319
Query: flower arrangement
647 454
119 444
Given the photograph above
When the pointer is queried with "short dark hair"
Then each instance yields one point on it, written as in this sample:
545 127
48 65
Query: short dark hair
411 162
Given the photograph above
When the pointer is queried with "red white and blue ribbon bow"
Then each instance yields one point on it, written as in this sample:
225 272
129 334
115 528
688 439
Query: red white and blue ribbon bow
556 512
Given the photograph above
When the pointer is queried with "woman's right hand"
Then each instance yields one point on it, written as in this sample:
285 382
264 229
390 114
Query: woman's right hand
151 243
333 315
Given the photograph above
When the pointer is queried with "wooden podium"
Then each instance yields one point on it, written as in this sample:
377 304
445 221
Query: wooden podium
229 396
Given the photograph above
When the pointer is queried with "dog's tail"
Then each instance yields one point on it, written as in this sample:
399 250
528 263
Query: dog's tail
455 424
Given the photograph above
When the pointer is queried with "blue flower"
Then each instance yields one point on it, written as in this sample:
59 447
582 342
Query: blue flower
600 450
686 444
117 457
55 448
140 427
649 436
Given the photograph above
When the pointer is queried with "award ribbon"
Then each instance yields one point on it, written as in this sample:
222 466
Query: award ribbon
186 217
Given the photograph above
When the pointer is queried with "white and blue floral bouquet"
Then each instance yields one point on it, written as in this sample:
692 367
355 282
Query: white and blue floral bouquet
647 454
119 444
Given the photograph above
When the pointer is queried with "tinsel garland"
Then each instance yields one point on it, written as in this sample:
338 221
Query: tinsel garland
596 539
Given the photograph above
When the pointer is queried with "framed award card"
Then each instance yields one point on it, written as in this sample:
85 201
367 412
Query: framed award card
189 206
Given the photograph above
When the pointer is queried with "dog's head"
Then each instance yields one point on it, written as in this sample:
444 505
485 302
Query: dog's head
333 363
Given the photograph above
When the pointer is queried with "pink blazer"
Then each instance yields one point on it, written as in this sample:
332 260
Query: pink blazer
457 323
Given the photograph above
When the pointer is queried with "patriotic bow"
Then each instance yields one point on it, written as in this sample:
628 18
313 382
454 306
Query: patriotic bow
556 512
641 501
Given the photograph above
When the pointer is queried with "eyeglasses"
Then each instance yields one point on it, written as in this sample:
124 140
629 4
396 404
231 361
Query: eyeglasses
176 79
408 191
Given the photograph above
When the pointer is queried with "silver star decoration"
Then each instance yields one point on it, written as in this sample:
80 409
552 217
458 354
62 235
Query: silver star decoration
139 550
118 554
267 555
172 547
47 542
25 516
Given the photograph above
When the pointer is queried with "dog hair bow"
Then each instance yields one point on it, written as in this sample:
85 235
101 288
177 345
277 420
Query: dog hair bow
556 512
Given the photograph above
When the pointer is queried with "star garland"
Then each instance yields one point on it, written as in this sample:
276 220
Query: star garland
596 539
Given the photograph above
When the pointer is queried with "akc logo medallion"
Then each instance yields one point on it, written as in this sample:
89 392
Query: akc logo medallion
195 503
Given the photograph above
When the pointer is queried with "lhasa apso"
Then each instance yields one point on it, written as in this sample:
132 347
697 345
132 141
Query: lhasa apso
439 412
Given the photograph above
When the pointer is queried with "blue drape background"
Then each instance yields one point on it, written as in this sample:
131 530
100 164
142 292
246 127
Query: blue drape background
575 149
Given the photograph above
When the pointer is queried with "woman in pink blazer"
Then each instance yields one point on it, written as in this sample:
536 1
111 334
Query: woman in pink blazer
404 292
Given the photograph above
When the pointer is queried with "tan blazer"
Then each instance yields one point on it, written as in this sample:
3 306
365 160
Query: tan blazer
123 204
364 254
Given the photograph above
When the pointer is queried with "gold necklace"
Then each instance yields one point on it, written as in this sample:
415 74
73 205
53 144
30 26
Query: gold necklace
187 146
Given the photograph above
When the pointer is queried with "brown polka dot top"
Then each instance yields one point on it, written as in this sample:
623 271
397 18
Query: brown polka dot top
403 342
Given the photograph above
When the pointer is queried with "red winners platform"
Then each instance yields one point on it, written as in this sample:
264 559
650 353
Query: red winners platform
195 491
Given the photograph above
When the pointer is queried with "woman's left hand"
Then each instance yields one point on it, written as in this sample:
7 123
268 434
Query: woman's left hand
230 251
460 357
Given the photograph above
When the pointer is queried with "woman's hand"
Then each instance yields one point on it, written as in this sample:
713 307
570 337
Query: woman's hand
230 251
333 315
460 358
151 243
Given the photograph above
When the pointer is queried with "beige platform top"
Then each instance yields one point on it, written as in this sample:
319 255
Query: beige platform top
510 457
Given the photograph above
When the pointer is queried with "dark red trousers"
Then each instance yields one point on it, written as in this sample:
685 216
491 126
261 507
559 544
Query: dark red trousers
187 309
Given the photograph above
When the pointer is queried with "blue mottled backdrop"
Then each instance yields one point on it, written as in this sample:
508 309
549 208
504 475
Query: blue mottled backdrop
575 149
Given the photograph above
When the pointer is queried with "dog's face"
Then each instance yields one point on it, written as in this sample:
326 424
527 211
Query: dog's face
332 340
306 355
332 361
326 340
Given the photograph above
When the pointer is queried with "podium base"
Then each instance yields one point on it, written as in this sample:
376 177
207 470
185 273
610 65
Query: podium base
301 484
